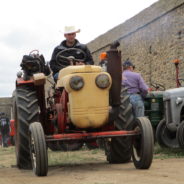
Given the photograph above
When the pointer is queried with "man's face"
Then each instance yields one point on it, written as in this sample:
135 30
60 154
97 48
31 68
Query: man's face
131 68
70 37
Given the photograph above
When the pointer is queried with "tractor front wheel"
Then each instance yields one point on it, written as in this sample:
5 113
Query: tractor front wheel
38 149
165 137
143 143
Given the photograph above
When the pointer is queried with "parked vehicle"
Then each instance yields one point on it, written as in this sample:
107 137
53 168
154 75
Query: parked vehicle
85 104
170 130
154 106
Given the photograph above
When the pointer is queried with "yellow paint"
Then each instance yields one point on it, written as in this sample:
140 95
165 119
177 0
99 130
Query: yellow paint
88 107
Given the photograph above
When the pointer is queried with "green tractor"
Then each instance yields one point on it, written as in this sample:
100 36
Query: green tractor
154 106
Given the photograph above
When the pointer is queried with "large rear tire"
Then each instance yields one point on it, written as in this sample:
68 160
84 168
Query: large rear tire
165 137
38 149
26 111
143 143
119 149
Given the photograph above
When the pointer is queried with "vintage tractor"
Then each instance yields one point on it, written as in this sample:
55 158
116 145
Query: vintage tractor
85 105
170 130
154 106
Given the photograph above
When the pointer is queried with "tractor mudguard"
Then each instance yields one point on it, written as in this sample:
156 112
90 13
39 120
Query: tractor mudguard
38 79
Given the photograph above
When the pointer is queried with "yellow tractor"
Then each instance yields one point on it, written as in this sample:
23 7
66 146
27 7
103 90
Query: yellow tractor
86 104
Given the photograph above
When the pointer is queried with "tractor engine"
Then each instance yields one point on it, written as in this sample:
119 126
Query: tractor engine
32 64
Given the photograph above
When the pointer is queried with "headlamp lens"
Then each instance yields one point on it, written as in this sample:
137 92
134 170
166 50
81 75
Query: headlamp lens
76 82
102 81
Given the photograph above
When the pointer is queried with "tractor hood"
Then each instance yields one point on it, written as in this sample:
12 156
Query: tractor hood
173 93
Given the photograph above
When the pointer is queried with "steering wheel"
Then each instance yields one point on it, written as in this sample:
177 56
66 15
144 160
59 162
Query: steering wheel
67 56
158 86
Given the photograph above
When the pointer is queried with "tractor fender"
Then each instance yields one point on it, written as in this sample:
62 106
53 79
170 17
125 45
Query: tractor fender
37 79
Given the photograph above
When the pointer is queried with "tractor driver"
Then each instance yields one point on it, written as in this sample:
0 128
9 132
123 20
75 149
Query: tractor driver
70 42
136 88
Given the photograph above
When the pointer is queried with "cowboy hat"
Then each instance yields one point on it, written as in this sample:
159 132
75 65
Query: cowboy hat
70 29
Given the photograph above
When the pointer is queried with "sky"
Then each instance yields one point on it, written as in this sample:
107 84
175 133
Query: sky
26 25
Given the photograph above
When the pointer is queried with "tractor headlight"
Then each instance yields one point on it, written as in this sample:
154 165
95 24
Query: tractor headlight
102 81
179 101
76 82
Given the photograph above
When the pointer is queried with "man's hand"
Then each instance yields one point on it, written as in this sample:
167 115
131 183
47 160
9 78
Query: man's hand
79 63
71 62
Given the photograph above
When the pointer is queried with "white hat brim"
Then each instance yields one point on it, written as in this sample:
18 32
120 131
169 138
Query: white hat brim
74 31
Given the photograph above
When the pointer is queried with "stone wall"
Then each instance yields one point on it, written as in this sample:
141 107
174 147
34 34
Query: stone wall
6 106
152 40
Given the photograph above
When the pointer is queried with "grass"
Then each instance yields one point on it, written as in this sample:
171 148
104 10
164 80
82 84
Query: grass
8 150
98 155
75 157
7 156
164 153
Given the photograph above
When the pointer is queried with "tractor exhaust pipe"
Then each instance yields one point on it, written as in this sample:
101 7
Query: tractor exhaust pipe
114 68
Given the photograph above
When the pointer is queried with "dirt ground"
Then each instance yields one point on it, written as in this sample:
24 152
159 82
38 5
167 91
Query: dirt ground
90 167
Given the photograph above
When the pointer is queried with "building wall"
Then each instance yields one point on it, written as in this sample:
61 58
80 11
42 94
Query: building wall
152 40
6 105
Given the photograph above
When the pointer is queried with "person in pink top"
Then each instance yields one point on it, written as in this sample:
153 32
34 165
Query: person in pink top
136 88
